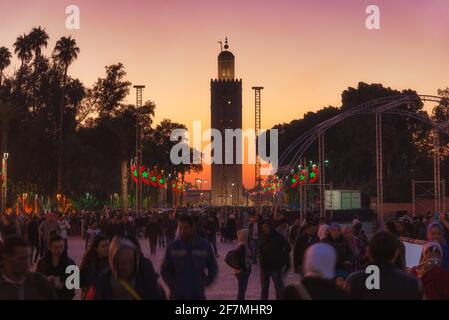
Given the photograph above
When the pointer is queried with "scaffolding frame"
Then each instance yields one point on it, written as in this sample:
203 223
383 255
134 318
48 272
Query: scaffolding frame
303 201
258 128
428 193
139 104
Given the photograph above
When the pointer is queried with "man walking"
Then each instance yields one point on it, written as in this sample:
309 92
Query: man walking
185 261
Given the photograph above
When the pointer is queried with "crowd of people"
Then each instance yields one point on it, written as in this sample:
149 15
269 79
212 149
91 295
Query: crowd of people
328 258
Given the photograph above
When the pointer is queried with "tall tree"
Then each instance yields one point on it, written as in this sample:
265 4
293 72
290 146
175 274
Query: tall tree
109 94
22 47
65 52
38 39
5 61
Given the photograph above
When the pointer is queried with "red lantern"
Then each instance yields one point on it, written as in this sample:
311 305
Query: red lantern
153 179
294 180
177 186
134 173
302 177
145 177
160 181
314 174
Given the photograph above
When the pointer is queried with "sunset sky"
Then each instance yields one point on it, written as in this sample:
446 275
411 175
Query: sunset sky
305 53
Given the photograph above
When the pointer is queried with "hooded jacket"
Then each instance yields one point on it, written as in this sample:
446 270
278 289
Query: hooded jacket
274 251
144 281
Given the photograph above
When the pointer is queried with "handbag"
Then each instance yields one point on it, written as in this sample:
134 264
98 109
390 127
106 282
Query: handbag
232 259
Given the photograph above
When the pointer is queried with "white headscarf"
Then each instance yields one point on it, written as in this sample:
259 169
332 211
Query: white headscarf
320 260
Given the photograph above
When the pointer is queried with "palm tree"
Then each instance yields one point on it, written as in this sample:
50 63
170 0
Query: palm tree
65 52
22 47
38 39
5 61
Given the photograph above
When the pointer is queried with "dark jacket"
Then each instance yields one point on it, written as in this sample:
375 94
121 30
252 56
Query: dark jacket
152 230
144 280
126 230
146 284
8 230
303 241
317 288
111 230
274 251
183 268
395 284
45 266
36 287
210 228
172 226
445 261
32 231
91 272
343 249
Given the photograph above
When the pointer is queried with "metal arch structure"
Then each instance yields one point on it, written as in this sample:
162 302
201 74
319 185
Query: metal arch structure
385 105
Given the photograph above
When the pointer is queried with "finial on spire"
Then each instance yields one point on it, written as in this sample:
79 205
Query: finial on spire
226 46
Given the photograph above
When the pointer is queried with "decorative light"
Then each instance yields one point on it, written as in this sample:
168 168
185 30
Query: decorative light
313 176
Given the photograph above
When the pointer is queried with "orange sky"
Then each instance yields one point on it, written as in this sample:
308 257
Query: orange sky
305 53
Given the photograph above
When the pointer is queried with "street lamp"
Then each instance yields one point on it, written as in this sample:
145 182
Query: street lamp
4 187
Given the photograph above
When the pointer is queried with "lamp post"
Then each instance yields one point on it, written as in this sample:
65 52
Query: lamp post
4 187
232 194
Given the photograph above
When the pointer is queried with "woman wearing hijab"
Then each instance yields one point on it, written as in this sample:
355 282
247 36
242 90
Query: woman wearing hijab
345 255
319 272
128 277
435 233
434 279
358 248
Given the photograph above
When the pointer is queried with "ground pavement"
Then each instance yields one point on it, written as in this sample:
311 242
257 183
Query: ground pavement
224 287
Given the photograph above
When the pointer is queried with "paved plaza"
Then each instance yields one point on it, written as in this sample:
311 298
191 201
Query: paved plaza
224 287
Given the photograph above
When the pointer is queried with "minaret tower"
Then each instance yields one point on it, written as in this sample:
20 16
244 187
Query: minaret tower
226 113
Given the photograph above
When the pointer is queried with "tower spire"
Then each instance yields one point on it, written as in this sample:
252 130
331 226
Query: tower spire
226 46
